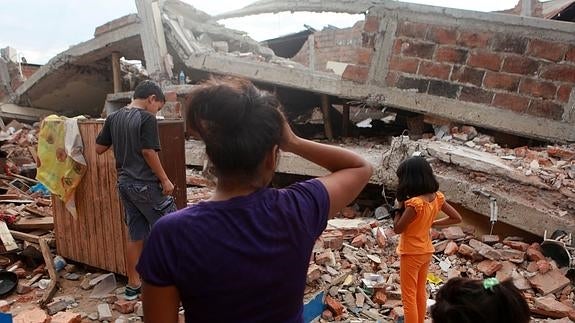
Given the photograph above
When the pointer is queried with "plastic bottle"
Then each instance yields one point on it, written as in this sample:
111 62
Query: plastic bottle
182 78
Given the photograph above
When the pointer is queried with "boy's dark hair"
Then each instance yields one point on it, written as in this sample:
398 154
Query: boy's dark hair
463 300
147 88
415 178
238 123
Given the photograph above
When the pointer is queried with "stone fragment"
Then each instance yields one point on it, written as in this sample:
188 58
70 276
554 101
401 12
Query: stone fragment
104 312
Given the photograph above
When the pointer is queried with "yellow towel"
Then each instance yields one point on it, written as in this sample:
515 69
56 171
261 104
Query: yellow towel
61 160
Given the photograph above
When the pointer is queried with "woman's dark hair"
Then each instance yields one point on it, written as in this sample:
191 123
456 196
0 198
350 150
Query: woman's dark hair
415 178
147 88
463 300
238 123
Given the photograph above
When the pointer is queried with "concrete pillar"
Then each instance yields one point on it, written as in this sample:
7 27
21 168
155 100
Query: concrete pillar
117 72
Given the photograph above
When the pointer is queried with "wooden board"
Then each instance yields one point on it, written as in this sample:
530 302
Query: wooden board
98 235
46 223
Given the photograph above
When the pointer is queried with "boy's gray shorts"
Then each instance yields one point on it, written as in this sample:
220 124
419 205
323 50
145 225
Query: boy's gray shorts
144 204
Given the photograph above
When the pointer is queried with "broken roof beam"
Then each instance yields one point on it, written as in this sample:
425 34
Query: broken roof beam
158 63
276 6
514 209
13 111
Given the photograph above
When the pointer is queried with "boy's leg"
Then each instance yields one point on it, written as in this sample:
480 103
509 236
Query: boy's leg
157 206
421 286
408 275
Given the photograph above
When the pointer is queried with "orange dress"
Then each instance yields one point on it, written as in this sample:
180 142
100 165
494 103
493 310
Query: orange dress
416 240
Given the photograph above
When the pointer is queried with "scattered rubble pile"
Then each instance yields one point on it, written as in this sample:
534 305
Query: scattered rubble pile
355 264
554 165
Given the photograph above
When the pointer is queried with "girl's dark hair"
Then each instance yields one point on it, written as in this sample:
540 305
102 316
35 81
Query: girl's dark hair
238 123
415 178
463 300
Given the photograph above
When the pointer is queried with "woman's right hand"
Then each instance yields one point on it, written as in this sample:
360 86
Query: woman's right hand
288 136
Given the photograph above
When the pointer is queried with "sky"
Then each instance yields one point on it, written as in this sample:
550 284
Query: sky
40 29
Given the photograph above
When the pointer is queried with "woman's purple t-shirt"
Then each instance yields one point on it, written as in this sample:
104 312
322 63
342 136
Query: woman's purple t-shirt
240 260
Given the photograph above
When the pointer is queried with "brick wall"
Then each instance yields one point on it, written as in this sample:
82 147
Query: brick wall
347 45
525 74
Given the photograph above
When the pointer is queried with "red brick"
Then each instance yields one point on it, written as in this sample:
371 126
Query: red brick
379 297
520 65
443 88
371 24
543 266
551 282
560 72
412 29
563 93
537 88
511 101
451 248
398 46
509 43
359 241
35 315
124 306
451 55
364 56
552 51
546 109
407 83
561 153
517 245
489 267
334 306
474 94
487 60
501 81
418 49
436 70
404 64
548 306
570 55
441 35
327 315
333 239
356 73
453 233
313 273
534 252
473 39
464 74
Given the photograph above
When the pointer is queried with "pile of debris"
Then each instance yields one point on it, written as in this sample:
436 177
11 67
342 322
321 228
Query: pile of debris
355 264
554 165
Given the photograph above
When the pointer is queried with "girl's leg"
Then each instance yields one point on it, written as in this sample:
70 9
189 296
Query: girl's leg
421 298
408 274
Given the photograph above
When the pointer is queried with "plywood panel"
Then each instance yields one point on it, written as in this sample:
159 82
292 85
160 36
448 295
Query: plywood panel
97 236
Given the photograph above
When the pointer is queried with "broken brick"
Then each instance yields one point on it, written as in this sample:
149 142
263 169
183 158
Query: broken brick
543 266
334 306
453 233
379 297
313 273
517 245
32 316
534 254
380 238
466 251
333 239
485 250
489 267
124 306
513 255
506 271
550 282
550 307
349 213
66 317
323 257
490 239
359 241
451 248
327 315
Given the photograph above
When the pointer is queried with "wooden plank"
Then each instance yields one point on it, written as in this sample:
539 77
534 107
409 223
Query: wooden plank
34 223
25 236
345 120
51 290
36 211
6 237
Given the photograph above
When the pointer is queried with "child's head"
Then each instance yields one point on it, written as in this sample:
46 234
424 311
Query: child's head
415 178
239 124
463 300
149 94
